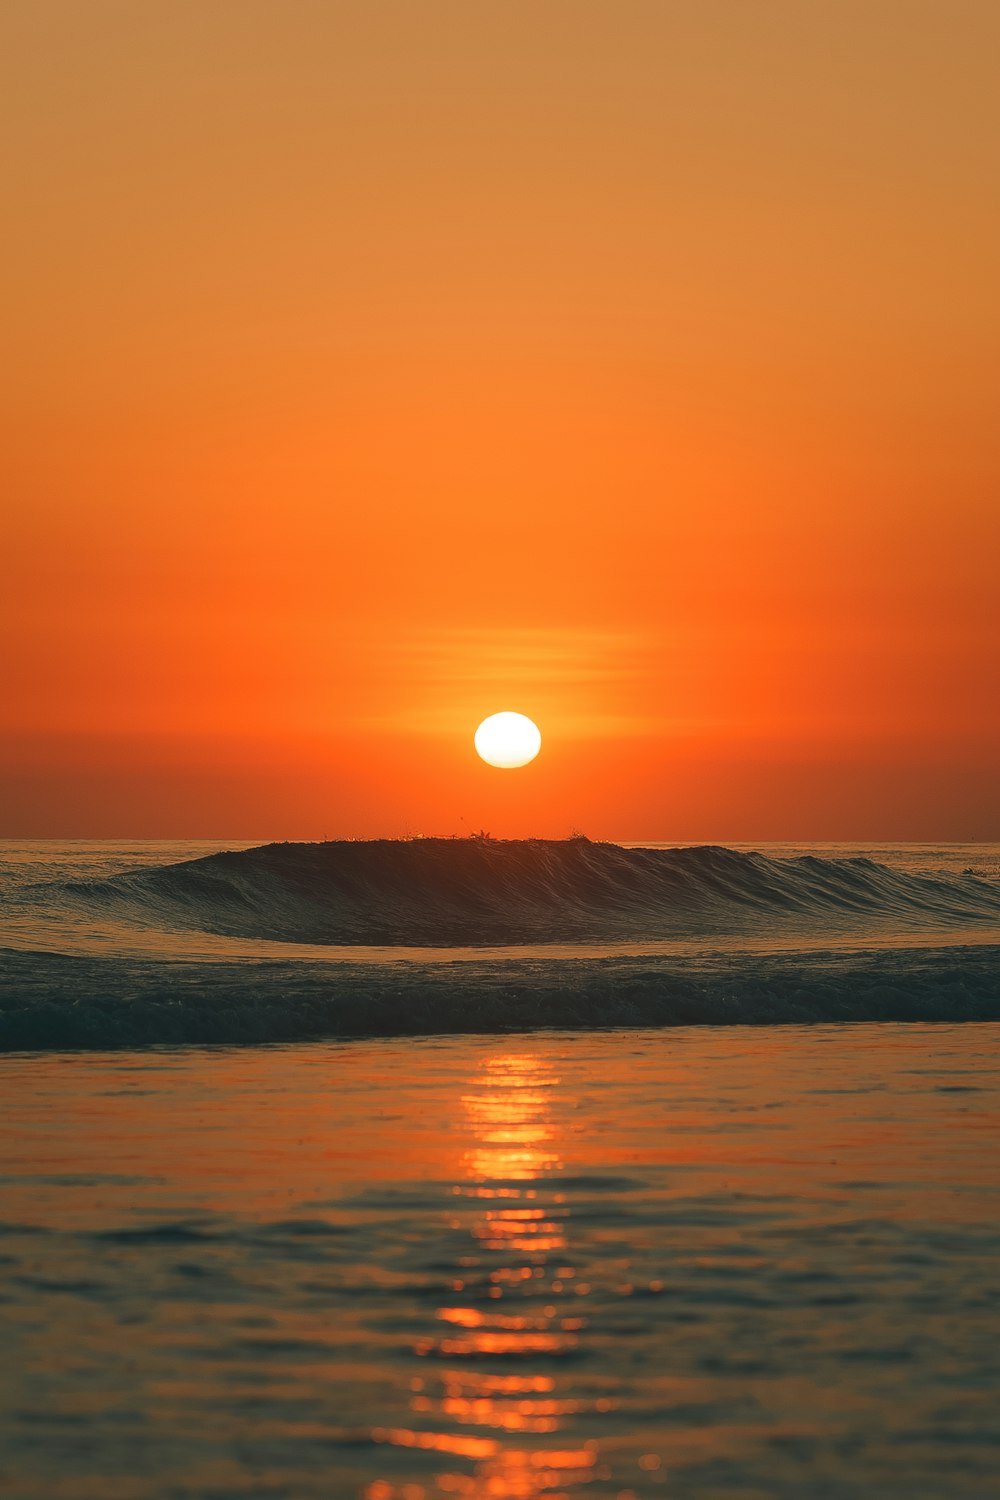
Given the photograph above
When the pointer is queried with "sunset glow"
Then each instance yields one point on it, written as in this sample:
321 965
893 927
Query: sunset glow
638 367
499 813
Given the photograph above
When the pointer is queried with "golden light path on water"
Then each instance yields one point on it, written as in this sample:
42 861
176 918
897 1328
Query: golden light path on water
516 1301
598 1267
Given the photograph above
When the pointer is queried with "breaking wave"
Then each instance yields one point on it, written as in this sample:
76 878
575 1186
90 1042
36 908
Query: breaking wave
55 1001
482 892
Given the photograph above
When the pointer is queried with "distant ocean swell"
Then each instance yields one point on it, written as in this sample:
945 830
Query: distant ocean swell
470 891
442 936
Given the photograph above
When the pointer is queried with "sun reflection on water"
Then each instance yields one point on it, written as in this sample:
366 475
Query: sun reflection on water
516 1302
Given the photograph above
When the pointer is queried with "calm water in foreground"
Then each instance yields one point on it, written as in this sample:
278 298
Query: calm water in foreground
711 1262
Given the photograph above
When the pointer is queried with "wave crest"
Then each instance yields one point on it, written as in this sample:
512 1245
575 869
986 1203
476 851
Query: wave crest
479 891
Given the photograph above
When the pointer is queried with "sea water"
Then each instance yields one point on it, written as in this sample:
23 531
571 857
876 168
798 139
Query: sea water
53 898
119 945
705 1262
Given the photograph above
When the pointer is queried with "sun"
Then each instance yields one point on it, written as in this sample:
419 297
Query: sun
508 740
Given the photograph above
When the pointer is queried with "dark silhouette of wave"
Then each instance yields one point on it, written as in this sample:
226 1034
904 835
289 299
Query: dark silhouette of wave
483 892
51 1001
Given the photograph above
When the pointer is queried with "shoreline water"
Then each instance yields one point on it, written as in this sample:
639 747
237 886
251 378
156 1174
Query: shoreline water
709 1262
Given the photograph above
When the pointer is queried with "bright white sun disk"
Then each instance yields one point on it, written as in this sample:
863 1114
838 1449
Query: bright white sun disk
508 740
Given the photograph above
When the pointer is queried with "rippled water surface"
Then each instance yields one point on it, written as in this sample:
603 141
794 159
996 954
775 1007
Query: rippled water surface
717 1262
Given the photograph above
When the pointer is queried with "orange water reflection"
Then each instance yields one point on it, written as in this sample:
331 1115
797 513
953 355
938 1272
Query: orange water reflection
511 1304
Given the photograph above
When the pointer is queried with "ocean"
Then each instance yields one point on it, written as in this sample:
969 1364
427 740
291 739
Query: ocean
710 1263
316 1182
112 944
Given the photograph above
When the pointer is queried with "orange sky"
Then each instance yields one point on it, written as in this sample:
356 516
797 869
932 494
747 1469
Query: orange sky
371 367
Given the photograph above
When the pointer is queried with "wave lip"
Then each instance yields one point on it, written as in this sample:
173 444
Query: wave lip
478 891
